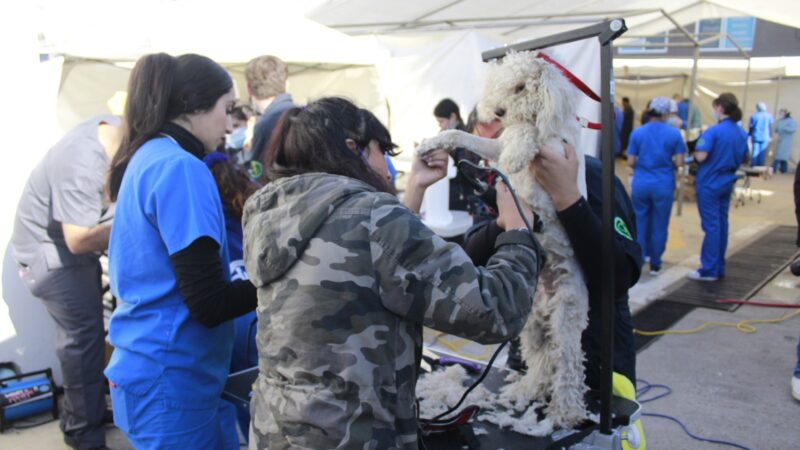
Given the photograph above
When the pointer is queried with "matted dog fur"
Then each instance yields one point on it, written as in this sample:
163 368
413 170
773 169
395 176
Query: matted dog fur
537 107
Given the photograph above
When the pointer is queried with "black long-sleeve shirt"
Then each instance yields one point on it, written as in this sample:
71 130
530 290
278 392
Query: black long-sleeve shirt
211 299
584 227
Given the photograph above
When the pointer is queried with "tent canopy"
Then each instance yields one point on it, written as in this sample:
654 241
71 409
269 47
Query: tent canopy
513 20
117 31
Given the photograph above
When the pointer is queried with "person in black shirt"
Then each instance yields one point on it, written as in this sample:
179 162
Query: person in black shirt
627 122
581 218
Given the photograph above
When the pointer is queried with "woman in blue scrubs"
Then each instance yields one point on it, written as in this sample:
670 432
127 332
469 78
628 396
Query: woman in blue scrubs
172 331
719 152
654 151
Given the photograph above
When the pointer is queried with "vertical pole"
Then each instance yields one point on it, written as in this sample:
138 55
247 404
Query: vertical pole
746 88
774 146
607 157
777 96
693 86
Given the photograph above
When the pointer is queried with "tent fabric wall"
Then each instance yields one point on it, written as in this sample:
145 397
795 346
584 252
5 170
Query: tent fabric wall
707 90
87 86
422 72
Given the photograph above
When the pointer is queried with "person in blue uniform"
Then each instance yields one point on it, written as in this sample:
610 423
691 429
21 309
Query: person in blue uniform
168 259
760 133
235 187
719 152
654 151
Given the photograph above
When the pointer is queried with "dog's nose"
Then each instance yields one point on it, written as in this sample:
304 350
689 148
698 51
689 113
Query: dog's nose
500 112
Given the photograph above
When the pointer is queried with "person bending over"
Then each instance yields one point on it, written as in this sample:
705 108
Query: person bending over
347 277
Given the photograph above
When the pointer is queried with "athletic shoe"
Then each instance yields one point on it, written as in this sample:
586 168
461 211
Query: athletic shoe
796 388
655 270
695 275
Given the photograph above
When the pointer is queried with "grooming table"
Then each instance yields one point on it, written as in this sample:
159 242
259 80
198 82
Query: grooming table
490 436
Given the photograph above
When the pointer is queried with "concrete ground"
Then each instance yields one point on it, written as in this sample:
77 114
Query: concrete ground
726 384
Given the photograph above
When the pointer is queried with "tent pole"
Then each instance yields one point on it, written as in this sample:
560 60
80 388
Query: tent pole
684 169
777 96
746 86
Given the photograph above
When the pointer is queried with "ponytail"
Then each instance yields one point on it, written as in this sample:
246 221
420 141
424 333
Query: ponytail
162 88
149 91
730 106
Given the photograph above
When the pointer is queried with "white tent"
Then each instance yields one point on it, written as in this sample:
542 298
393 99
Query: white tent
87 49
775 81
514 20
433 51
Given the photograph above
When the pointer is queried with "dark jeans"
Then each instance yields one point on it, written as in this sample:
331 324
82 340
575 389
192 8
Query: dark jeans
72 296
783 165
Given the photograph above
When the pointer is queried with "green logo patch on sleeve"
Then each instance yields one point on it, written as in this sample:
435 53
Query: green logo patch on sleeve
701 142
622 229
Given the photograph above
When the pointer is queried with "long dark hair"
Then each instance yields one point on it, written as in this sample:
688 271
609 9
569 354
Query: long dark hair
312 139
446 107
730 105
162 88
234 186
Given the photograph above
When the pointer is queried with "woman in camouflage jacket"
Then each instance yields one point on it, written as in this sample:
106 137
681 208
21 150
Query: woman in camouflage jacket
347 277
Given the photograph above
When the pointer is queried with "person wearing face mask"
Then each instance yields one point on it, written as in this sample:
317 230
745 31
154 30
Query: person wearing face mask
168 258
655 150
760 133
235 140
785 128
348 276
719 152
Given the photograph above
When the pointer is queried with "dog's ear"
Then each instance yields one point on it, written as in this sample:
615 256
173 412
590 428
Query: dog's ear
556 100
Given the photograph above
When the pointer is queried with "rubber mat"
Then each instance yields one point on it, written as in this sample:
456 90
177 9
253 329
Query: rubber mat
747 271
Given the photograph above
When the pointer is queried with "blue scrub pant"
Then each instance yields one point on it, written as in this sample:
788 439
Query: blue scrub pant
653 207
713 205
759 153
151 421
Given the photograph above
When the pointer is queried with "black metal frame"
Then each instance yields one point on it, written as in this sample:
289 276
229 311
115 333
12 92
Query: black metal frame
605 32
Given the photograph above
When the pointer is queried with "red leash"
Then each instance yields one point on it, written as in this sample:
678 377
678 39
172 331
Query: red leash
578 84
757 303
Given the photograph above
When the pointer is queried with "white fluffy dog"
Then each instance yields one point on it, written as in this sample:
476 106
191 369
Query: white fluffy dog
537 107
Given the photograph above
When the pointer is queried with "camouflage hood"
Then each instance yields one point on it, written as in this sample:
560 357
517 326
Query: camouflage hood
282 217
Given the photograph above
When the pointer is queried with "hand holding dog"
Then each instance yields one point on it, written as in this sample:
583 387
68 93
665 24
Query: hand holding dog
508 217
558 175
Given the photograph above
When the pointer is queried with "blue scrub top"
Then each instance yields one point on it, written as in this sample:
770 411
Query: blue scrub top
761 126
245 351
726 144
167 200
654 145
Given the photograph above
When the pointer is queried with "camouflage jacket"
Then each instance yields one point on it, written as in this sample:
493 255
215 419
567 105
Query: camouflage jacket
346 279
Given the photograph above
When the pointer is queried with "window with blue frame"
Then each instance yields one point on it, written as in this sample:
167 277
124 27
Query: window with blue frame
741 29
650 44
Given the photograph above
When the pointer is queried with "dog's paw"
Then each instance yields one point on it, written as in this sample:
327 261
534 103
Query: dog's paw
447 140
